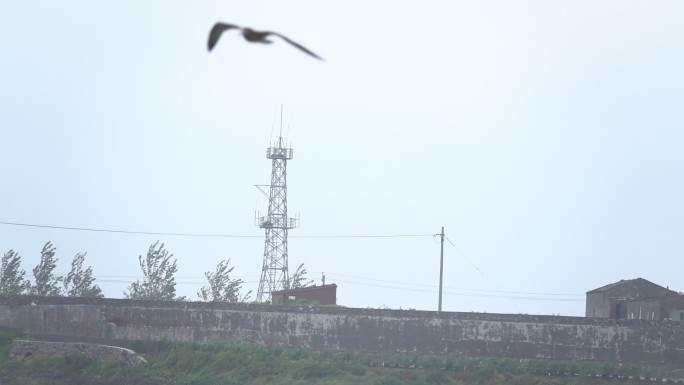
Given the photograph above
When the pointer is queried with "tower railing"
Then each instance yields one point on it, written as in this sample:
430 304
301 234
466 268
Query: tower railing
274 273
279 153
276 222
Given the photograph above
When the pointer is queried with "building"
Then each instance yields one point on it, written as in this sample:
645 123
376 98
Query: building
320 295
670 307
635 299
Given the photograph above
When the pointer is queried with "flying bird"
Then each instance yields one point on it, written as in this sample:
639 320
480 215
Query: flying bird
251 36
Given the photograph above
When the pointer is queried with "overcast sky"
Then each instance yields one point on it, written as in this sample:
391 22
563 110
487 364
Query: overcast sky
545 136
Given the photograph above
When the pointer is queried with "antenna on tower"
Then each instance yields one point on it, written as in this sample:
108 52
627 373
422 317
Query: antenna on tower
281 122
274 271
289 122
270 138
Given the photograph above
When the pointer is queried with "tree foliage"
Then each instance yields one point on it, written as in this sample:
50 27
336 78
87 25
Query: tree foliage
11 275
158 276
298 279
46 283
80 282
221 287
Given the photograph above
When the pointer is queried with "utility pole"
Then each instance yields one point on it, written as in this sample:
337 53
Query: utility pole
441 269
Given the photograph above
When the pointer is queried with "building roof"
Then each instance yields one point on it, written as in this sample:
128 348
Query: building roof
306 288
623 282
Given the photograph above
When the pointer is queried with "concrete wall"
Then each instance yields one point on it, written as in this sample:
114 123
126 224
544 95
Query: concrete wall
671 308
648 309
116 321
674 309
600 305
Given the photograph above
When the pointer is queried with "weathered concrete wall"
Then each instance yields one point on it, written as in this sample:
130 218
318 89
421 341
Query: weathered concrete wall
649 309
520 336
23 349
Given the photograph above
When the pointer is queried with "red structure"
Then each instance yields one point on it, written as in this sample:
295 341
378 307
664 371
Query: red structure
322 295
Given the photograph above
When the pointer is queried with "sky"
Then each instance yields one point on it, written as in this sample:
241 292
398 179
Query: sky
545 136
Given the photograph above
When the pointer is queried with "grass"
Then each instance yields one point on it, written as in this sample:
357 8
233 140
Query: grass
195 364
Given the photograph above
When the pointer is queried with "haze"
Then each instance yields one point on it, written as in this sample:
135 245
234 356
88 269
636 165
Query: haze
546 137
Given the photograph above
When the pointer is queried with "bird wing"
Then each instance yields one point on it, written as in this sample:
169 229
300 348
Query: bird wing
216 32
301 47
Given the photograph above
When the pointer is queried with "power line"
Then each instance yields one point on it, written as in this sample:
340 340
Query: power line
477 295
365 236
206 235
455 288
416 287
428 288
140 276
485 275
127 231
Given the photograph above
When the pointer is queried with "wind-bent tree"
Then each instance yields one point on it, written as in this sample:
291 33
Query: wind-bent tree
46 283
11 275
298 279
158 281
80 282
221 287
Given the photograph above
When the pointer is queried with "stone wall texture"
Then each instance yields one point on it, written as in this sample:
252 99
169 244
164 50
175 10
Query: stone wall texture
119 321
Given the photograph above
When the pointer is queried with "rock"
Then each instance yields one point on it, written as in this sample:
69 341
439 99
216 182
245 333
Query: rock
24 349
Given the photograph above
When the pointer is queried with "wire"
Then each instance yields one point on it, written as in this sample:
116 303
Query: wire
427 288
483 274
494 296
207 235
364 236
456 288
113 277
128 231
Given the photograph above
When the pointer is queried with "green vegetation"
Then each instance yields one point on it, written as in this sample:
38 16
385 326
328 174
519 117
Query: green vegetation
190 364
11 275
46 282
159 283
221 287
298 279
78 283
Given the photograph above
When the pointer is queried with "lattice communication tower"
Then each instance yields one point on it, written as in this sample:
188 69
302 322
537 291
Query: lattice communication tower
274 272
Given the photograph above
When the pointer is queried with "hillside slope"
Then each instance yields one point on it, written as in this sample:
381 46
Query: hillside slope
182 363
